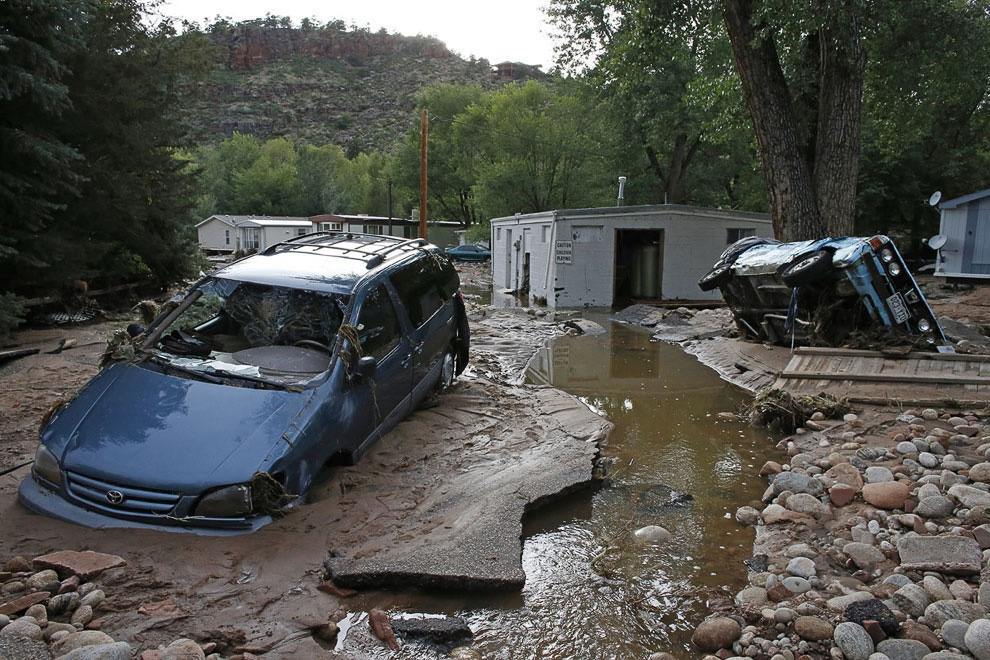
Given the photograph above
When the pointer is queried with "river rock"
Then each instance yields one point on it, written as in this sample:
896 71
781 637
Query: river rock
840 603
944 554
802 567
876 474
872 610
938 506
970 496
841 494
15 647
912 599
853 640
977 639
796 483
747 515
804 503
954 633
23 602
77 640
936 588
46 580
928 460
83 615
774 513
813 628
24 626
886 494
652 534
903 649
716 633
980 472
863 555
941 611
752 596
115 651
846 473
961 590
183 649
796 585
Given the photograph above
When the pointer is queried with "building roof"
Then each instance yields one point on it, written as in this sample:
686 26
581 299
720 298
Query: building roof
259 220
959 201
699 211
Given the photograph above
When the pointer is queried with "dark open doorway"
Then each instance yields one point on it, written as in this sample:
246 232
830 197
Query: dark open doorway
638 264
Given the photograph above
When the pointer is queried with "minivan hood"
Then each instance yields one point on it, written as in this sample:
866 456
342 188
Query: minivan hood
135 426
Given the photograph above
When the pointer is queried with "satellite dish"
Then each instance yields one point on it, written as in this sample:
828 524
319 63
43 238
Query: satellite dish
935 198
938 241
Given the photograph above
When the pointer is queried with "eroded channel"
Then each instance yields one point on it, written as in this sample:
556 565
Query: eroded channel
592 589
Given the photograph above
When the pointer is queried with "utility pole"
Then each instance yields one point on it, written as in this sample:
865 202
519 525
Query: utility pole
424 135
389 180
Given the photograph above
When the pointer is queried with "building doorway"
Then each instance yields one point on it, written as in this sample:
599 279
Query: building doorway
638 265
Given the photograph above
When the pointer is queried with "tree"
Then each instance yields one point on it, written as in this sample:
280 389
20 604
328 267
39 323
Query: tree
926 123
810 154
665 70
270 186
326 182
451 169
537 148
37 168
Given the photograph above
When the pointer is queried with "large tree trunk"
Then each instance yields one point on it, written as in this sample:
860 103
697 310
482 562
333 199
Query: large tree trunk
840 100
787 174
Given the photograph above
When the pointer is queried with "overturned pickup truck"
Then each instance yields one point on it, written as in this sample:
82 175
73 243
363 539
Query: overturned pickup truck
832 291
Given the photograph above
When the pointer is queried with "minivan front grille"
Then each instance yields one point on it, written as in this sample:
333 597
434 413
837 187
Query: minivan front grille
115 498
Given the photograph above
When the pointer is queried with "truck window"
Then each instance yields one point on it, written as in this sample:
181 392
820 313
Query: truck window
378 326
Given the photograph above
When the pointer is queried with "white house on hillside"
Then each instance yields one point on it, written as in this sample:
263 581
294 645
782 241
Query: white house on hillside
230 233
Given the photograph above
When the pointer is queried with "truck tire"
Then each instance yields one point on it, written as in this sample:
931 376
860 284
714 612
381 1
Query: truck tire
807 268
715 278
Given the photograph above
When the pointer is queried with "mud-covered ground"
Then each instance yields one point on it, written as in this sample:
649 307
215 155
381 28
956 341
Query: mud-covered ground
439 501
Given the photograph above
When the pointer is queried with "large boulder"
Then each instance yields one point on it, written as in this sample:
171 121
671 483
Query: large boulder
716 633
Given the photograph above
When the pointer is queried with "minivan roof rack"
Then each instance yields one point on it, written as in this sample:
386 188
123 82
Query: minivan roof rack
330 240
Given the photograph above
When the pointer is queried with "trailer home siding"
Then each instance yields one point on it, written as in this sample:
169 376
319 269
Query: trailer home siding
965 223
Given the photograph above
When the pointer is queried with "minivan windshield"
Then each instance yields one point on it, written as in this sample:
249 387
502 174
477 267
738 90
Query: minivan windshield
254 332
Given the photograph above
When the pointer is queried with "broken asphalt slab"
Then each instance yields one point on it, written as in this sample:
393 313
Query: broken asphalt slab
532 444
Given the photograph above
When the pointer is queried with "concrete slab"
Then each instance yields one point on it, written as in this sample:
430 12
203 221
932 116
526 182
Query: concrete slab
536 443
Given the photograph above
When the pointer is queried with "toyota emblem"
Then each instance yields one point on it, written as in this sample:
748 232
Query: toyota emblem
115 496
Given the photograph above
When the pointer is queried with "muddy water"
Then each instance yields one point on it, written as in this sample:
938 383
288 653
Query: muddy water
592 590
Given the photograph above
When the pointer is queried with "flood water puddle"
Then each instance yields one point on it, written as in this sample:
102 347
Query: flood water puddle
592 590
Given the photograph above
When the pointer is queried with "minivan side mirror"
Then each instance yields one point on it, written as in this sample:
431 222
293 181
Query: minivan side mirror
365 367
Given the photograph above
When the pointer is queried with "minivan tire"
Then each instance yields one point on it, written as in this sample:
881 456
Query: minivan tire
807 268
447 371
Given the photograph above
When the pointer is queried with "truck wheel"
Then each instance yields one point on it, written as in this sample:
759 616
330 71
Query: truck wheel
807 268
715 278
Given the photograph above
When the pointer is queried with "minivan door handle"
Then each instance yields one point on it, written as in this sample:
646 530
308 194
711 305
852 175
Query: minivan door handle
406 360
418 348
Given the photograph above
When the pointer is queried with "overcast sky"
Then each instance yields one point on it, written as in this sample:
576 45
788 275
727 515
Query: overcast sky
501 30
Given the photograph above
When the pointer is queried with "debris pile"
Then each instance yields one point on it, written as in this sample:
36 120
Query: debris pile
873 541
782 411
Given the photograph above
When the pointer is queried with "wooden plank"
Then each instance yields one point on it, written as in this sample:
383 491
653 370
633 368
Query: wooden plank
889 378
849 352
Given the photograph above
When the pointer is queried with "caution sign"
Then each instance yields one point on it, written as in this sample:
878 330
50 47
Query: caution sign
563 252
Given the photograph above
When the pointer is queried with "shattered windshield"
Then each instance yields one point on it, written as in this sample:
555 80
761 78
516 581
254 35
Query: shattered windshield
253 331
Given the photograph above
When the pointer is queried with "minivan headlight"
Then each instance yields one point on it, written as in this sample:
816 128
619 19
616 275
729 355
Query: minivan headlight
887 255
227 502
46 466
894 269
924 325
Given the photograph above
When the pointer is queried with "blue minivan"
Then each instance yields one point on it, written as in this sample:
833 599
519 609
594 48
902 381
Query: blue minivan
245 387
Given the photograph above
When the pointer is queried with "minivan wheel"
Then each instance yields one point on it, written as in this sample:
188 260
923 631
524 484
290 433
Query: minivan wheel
715 278
807 269
446 372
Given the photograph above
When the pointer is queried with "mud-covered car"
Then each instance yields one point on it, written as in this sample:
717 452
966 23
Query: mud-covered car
239 393
824 292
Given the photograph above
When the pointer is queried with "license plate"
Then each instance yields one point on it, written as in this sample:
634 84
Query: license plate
898 308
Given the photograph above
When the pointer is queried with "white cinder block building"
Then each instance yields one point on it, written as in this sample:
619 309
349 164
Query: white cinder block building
965 227
604 256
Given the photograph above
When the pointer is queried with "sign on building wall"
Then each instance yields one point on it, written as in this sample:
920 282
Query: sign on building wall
563 251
